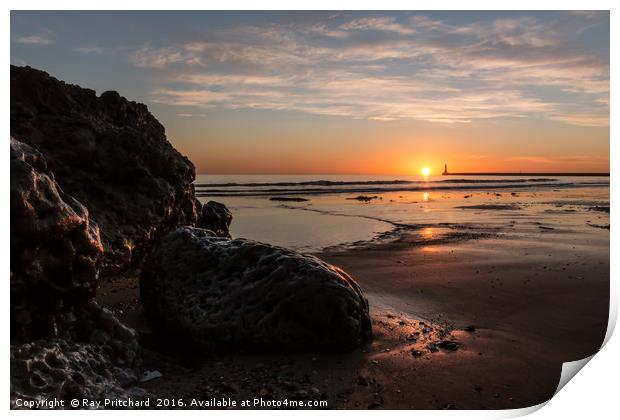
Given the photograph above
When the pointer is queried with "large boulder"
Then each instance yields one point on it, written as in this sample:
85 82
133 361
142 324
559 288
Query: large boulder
112 155
216 293
63 344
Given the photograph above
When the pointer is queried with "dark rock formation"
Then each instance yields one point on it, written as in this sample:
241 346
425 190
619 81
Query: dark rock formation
63 344
55 247
491 207
364 198
291 199
217 293
63 370
215 217
604 209
109 153
93 356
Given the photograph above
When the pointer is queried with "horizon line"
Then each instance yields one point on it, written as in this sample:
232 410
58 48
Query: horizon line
412 174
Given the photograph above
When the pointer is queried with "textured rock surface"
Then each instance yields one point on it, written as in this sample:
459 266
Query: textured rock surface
54 247
109 153
57 328
101 362
218 293
215 217
46 370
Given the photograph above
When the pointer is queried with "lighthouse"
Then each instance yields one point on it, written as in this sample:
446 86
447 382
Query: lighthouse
445 169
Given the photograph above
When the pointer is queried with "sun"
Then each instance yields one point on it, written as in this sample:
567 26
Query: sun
426 171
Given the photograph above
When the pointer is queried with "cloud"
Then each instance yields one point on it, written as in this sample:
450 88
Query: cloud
380 68
379 23
35 40
341 93
588 120
162 57
187 115
190 97
590 14
90 49
524 31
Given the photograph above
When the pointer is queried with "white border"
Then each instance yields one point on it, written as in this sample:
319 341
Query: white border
437 5
592 394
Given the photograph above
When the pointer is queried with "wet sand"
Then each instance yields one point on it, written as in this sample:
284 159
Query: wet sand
534 305
515 305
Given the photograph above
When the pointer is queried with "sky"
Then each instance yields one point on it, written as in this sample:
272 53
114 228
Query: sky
347 92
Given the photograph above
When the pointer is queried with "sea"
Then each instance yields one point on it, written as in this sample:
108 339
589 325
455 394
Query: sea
312 213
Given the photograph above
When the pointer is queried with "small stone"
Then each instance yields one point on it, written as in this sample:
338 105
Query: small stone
449 345
416 353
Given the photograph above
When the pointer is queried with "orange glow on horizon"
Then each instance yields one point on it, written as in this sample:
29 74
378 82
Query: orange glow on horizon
426 171
370 156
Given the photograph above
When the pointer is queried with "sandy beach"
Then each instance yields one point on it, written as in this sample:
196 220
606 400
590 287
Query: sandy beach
468 323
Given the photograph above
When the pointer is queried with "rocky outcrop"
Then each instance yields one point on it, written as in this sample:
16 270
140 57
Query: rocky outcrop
215 217
62 342
100 362
112 155
238 294
55 247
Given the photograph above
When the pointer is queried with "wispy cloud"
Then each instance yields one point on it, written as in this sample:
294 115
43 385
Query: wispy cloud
163 57
90 49
187 115
35 40
379 23
588 120
384 68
